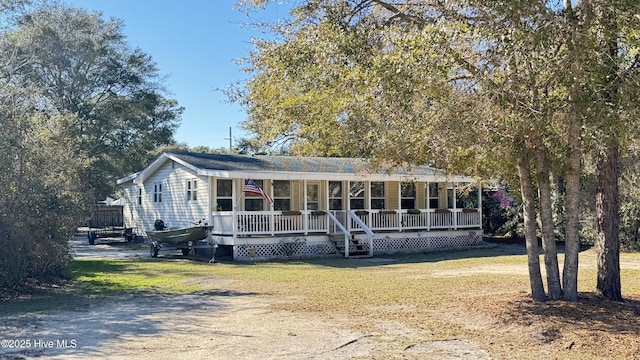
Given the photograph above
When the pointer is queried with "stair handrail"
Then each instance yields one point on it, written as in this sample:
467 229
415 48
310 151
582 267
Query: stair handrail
352 214
344 231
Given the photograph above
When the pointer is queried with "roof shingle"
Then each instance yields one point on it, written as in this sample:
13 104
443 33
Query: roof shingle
231 162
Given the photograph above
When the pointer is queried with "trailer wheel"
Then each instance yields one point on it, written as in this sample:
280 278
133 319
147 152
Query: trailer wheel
185 251
153 250
92 237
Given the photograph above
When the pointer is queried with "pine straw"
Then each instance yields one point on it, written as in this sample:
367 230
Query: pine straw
593 327
469 297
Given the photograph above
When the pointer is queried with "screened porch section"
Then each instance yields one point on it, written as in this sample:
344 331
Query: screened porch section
315 207
243 223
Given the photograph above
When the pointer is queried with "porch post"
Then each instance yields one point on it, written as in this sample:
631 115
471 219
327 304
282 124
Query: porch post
272 216
480 204
399 195
455 205
327 195
234 201
455 195
212 197
399 199
367 194
306 214
427 203
346 198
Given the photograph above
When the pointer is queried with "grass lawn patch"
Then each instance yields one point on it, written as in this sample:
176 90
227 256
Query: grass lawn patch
479 295
107 276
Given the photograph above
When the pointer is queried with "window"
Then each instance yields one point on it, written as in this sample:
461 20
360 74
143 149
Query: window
253 202
192 190
377 195
451 196
356 195
139 196
408 196
433 195
157 192
224 194
335 195
281 195
312 196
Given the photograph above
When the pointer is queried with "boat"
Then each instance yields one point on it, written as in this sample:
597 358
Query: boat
181 238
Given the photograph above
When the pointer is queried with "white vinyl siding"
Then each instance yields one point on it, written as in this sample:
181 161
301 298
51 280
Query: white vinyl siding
168 202
134 201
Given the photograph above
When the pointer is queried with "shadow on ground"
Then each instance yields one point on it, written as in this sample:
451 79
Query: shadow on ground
91 326
590 313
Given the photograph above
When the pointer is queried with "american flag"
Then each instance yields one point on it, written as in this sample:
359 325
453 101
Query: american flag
251 187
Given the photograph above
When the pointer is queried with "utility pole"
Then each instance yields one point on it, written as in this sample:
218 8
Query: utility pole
230 139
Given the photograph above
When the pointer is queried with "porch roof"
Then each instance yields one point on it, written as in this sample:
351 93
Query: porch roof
289 168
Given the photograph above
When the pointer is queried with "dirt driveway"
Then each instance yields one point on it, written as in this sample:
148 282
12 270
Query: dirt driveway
215 323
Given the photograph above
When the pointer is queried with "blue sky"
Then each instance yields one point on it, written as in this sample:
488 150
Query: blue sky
194 43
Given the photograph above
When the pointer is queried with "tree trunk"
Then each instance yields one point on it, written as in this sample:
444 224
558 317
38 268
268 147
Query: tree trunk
546 218
574 169
608 241
608 160
529 210
572 212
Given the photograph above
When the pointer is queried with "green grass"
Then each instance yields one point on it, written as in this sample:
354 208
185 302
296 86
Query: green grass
430 292
108 277
447 274
324 284
329 284
436 293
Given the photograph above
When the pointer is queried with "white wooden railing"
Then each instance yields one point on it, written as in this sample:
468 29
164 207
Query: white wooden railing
404 220
361 225
305 222
337 223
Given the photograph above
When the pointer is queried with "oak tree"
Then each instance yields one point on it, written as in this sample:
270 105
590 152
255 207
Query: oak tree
83 65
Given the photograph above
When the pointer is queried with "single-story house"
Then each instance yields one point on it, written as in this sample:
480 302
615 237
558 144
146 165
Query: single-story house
265 207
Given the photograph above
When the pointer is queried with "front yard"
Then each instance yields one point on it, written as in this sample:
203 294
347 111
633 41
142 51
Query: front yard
469 304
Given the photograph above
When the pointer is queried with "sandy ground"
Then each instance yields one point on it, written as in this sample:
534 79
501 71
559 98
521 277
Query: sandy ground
216 323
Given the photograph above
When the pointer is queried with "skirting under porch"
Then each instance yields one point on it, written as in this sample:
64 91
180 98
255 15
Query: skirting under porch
314 246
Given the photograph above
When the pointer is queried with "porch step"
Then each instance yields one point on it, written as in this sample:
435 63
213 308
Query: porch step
356 249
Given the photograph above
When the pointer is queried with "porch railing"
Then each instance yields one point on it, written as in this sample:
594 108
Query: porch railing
305 222
353 217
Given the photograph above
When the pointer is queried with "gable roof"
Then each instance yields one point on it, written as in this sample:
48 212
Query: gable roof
274 163
288 168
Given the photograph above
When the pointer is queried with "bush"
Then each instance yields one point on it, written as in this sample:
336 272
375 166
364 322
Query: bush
40 194
498 220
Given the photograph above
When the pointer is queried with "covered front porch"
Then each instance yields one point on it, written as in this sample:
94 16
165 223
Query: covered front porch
291 222
343 217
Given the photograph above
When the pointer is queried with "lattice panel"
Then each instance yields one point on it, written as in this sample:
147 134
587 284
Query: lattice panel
300 248
435 242
283 250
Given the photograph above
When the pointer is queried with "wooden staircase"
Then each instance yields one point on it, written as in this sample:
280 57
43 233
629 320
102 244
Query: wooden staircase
356 248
